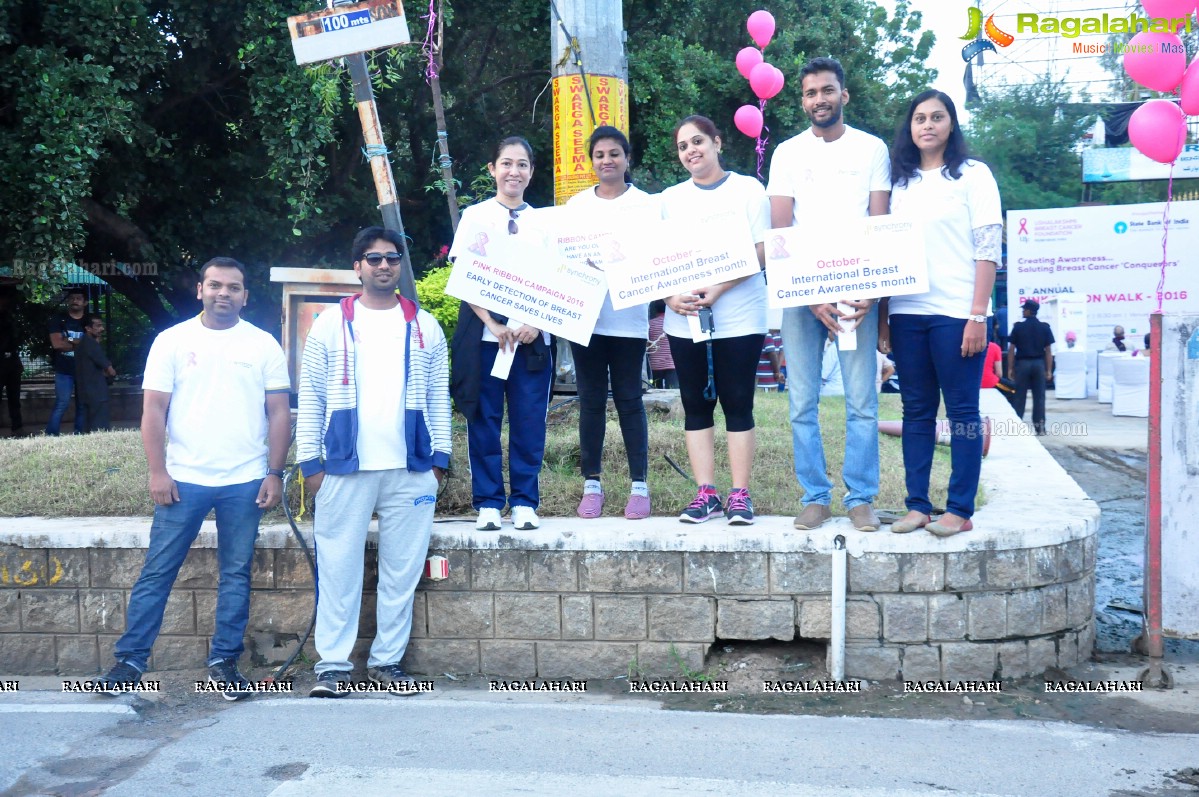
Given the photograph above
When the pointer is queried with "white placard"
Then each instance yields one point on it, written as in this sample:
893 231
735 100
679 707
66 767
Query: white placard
664 258
520 278
345 30
865 258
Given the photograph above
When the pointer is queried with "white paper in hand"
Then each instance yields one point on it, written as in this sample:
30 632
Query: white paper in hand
847 338
503 359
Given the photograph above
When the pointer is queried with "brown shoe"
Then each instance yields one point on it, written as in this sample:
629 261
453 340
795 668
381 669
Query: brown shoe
863 518
812 517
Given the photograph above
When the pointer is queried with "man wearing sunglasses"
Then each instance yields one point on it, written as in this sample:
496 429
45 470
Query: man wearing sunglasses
372 437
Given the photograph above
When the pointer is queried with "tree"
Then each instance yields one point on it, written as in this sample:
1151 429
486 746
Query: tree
164 133
1029 134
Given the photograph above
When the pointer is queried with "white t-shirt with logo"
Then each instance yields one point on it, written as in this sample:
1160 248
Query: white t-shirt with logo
631 322
218 380
379 338
741 310
951 211
829 180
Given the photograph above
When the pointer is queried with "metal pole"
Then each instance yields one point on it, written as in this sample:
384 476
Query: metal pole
1151 639
836 667
376 152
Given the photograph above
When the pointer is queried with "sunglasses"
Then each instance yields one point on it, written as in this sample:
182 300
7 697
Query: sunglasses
512 216
374 259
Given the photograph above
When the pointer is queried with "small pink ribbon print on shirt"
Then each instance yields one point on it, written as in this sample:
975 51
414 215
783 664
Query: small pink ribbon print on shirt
479 247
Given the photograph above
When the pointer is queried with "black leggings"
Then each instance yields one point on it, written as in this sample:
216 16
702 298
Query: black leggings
735 366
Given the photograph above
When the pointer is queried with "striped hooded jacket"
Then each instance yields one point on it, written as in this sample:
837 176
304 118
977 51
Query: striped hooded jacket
327 420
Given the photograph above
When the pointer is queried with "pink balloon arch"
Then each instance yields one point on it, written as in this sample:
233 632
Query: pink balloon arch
1158 129
765 80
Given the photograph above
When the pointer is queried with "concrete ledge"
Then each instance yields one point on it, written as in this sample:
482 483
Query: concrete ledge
607 597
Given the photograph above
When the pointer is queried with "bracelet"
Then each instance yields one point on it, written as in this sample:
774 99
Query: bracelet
275 472
978 319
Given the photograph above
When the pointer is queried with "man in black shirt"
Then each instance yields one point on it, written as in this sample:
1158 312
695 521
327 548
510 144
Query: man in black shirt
1030 362
1117 343
65 333
92 372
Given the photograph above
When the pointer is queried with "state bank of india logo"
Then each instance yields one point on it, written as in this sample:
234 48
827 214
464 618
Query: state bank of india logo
976 29
1121 228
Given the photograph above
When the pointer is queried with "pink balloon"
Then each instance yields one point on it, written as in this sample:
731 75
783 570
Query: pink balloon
1159 130
1155 60
761 27
748 120
747 59
1190 89
780 80
1170 9
763 80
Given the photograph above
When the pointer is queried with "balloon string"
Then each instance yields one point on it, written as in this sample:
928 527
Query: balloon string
428 47
762 140
1161 282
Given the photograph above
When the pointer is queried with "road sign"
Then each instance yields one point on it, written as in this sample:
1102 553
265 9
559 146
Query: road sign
344 30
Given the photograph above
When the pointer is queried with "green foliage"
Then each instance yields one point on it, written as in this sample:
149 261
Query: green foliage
430 291
1028 134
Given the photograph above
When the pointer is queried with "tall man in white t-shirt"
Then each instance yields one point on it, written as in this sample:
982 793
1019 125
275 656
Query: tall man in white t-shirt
217 386
372 436
830 172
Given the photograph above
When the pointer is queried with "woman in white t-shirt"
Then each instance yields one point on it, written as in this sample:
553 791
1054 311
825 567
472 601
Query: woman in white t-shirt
478 338
616 352
940 337
724 367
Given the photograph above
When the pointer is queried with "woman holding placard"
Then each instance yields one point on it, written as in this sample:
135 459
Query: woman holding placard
723 367
616 352
479 339
939 337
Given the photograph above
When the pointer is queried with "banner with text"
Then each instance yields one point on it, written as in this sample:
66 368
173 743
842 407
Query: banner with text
1112 256
872 257
579 108
529 283
664 258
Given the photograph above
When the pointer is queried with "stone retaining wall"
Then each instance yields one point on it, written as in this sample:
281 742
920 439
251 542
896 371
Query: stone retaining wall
611 597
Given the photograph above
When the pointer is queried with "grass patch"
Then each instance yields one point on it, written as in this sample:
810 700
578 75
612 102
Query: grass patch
105 474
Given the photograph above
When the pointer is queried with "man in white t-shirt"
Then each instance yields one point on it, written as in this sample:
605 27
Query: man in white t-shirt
372 436
828 173
217 388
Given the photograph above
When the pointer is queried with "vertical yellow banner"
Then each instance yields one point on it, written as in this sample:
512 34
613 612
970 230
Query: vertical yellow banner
578 110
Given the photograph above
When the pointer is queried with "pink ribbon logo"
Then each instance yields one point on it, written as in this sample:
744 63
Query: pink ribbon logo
191 359
479 247
1023 227
777 250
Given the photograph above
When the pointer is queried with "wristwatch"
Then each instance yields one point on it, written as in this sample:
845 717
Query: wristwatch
978 319
275 472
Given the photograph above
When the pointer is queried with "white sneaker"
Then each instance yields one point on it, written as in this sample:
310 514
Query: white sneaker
525 518
489 519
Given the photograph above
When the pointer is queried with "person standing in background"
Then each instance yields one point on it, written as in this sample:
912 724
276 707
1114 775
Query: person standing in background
11 367
92 372
1030 363
661 364
65 332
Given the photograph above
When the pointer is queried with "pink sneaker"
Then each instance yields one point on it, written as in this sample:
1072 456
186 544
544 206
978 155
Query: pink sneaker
637 508
592 505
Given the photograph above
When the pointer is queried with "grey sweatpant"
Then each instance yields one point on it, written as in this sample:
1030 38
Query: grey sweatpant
404 501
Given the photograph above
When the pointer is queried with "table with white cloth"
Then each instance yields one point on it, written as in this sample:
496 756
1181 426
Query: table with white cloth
1130 386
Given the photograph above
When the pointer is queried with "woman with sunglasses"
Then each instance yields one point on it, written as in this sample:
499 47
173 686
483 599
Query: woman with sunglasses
478 339
616 353
939 337
725 367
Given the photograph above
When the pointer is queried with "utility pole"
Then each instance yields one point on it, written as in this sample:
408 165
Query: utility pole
376 152
590 80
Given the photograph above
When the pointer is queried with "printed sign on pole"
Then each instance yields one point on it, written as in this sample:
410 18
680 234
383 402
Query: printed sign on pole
873 257
346 30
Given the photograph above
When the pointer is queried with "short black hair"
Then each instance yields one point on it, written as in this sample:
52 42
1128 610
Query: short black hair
1031 305
91 318
222 262
1147 334
72 291
823 64
368 235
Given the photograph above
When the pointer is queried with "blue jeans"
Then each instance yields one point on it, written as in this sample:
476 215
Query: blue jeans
528 397
803 345
64 386
174 530
928 357
617 360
